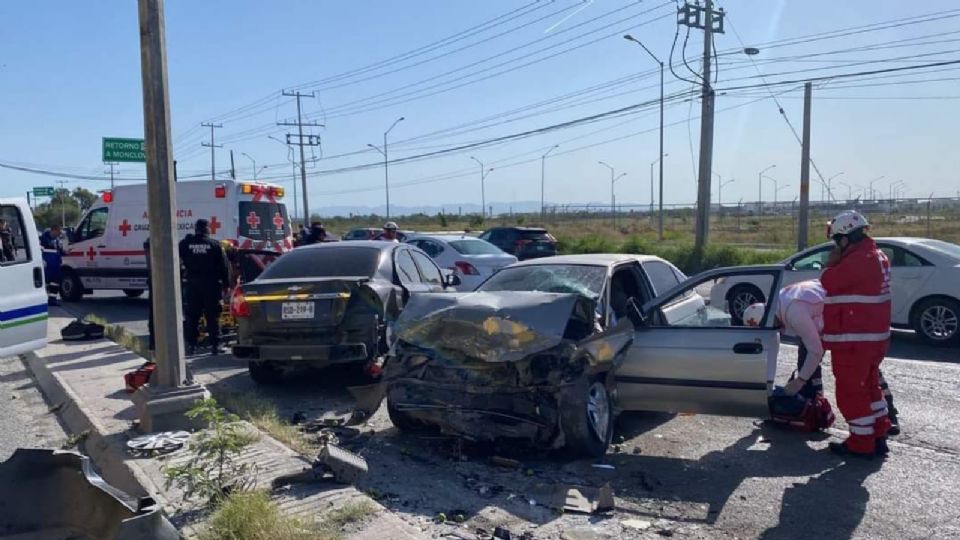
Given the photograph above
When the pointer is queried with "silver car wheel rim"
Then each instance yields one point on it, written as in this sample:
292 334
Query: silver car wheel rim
598 410
742 301
939 322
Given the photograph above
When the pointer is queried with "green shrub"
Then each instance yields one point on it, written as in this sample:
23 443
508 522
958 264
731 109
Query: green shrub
253 516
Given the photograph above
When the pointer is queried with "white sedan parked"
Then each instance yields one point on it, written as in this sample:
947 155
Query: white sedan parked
925 285
469 257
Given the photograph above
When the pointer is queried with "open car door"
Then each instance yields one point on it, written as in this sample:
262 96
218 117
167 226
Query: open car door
701 364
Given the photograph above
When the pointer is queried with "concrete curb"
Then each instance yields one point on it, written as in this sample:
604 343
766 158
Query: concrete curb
63 370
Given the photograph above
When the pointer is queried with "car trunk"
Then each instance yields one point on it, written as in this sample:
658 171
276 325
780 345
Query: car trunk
488 264
533 244
310 310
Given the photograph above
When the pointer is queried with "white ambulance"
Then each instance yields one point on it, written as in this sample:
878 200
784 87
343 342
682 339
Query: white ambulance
106 248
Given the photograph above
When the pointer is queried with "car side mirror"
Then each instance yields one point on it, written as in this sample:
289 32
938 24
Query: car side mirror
635 314
452 280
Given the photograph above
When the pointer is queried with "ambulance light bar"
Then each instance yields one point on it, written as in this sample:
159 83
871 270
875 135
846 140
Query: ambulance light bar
108 196
220 191
251 189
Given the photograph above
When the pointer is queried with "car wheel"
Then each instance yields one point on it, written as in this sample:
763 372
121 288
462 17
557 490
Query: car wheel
71 289
405 423
586 417
264 372
937 321
739 298
133 293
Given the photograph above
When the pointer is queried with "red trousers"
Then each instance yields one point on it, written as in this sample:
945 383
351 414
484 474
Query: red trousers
859 398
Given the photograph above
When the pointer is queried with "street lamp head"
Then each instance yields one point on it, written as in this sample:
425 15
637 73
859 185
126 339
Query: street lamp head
751 51
628 37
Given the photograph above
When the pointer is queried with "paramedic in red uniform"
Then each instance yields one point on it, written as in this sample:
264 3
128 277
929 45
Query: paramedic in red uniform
856 330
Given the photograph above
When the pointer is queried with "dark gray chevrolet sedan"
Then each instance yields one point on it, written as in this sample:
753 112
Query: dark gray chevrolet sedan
328 304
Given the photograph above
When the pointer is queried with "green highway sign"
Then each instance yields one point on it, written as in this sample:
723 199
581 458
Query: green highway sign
120 149
43 191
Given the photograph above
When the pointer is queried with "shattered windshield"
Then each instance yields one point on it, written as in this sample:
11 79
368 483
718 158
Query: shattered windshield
556 278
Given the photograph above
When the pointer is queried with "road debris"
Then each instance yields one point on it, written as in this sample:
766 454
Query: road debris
345 466
638 524
505 462
579 499
162 442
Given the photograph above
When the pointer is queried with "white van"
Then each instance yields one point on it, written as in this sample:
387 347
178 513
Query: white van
106 248
23 296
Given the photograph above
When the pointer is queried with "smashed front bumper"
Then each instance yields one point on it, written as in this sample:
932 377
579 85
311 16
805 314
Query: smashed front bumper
482 413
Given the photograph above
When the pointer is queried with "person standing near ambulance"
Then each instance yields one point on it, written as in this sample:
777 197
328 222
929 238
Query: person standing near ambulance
856 330
207 278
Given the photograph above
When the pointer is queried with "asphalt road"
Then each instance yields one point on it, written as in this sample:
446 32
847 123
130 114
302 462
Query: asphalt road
25 420
674 475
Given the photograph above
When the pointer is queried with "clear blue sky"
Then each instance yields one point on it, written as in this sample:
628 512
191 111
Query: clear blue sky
70 74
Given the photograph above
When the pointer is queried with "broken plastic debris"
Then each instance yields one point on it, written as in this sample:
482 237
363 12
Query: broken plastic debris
638 524
603 466
505 462
581 499
163 441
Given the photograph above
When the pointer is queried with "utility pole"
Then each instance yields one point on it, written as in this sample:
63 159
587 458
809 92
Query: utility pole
543 181
312 140
705 18
233 168
213 159
803 217
63 208
111 164
483 190
161 403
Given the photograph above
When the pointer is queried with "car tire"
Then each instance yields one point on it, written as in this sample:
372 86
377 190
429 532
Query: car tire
133 293
405 423
937 321
71 288
738 298
264 372
586 417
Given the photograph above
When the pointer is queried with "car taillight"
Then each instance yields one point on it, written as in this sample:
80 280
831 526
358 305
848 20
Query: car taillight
238 304
466 268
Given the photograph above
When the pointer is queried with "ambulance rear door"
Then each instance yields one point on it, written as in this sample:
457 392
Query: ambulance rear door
262 218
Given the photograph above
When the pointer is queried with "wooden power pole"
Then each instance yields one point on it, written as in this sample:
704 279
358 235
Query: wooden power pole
804 212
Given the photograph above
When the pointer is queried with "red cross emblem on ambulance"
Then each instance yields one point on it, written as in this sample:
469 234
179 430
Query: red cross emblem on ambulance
125 227
91 253
214 225
253 220
278 220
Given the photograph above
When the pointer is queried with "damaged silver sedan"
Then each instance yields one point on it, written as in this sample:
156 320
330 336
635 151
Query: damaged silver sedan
549 351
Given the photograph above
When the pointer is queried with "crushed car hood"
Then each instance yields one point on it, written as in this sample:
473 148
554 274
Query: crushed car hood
495 326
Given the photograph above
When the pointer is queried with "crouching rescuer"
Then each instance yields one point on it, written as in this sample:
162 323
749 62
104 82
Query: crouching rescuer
801 402
856 330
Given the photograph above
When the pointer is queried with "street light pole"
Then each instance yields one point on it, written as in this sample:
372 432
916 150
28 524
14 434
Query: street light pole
720 184
613 210
628 37
483 190
658 160
543 182
760 189
386 170
254 164
872 192
849 190
830 186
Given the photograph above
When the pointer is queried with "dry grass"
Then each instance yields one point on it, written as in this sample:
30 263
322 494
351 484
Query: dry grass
335 521
253 516
263 414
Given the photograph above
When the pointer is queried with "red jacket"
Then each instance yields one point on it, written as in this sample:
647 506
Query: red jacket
857 307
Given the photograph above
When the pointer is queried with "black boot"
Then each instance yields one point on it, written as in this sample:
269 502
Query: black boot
881 449
841 450
894 420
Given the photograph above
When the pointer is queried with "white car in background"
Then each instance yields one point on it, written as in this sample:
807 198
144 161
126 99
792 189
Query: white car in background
469 257
925 285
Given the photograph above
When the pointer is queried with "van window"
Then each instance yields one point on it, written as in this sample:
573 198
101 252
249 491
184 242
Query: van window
264 221
14 248
92 226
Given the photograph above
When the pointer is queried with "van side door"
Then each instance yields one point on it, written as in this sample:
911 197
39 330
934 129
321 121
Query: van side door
23 297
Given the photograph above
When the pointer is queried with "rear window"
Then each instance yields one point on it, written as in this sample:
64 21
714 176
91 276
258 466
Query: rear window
474 247
324 262
952 250
264 221
539 234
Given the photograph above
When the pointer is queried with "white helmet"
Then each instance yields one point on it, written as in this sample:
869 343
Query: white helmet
390 226
847 222
753 314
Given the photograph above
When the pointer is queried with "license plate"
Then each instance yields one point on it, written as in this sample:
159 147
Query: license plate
541 247
296 310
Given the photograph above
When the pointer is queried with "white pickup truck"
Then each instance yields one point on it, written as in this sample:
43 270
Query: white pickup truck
23 297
